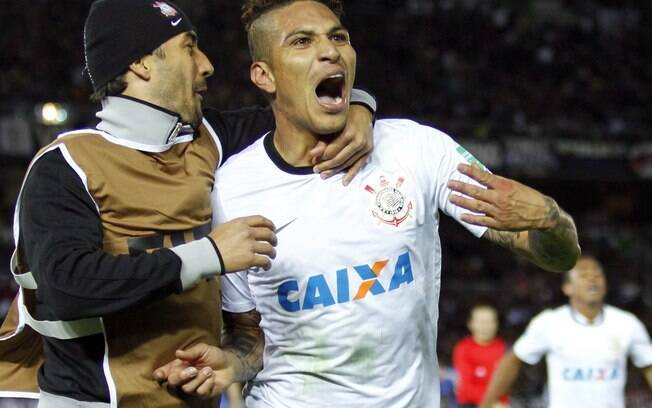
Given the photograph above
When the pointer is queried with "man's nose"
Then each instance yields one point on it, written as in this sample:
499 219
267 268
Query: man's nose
205 67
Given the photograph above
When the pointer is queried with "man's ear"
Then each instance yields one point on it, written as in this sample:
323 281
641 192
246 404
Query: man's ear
262 76
567 289
141 68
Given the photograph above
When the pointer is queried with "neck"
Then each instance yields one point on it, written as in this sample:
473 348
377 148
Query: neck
294 142
481 342
588 310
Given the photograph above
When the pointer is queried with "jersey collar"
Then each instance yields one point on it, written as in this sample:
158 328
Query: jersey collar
136 121
275 156
579 318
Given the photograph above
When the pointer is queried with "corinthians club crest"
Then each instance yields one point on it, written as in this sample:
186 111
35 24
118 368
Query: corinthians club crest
389 204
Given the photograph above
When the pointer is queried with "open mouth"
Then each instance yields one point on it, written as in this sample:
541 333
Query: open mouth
330 92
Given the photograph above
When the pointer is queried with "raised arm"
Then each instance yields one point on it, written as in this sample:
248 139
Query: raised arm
519 218
206 371
502 379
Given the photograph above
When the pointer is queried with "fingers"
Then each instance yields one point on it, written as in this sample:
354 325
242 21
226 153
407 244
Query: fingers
471 190
200 378
180 376
345 152
355 169
481 220
317 152
261 262
172 368
478 174
259 221
265 234
472 205
192 354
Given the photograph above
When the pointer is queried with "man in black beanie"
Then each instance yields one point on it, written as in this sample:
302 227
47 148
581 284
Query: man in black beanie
115 255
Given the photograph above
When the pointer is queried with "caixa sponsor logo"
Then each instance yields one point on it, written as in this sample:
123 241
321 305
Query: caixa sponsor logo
590 374
318 291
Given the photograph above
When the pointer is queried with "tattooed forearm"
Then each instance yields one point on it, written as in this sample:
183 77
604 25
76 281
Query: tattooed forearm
552 246
244 339
506 239
556 247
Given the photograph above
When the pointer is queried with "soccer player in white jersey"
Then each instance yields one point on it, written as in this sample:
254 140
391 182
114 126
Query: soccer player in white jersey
349 308
586 344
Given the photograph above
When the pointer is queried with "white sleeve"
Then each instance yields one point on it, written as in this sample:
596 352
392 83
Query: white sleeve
640 349
533 344
441 156
236 295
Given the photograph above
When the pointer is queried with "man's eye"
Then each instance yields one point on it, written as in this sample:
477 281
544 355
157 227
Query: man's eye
340 38
301 41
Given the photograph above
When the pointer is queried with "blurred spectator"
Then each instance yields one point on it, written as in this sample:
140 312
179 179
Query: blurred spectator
475 357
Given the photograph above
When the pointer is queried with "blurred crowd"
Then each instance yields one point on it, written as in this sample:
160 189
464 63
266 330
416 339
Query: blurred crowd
475 68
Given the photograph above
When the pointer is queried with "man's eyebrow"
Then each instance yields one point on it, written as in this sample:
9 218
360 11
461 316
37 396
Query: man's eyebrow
310 33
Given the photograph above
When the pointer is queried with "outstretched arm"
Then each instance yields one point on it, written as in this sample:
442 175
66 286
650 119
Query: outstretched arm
519 218
206 371
501 380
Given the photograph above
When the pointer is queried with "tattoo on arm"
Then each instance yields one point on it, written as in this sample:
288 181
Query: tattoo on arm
506 239
244 339
553 247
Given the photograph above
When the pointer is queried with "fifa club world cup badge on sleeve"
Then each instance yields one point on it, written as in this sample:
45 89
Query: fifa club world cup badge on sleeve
389 203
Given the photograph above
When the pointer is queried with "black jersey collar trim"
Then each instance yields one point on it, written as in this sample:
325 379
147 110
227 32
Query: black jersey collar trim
275 156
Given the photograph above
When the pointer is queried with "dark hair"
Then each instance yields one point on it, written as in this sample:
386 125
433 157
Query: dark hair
117 85
253 9
585 255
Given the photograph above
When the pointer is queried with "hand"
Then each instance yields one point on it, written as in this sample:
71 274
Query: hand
505 204
246 242
202 370
348 150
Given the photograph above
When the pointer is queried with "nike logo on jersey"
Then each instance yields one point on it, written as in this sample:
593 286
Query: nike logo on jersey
317 291
176 22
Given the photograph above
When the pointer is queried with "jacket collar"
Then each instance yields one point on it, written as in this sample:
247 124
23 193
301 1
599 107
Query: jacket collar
136 122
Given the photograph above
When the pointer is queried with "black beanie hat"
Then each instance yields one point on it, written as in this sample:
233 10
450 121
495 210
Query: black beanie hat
118 32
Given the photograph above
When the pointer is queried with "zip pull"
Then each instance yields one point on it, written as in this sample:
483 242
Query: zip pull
175 132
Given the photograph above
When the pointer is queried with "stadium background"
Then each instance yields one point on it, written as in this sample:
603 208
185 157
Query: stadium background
554 93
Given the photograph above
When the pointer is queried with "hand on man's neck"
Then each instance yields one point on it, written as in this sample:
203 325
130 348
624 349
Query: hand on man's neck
294 144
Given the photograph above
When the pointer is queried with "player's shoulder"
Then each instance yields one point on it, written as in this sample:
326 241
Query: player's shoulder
613 313
551 315
401 128
407 137
250 154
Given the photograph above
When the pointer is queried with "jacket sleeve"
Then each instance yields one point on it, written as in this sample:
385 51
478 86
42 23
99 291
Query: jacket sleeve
239 128
61 235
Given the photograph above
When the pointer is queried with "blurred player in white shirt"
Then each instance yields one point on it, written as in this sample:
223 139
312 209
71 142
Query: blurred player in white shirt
586 344
349 307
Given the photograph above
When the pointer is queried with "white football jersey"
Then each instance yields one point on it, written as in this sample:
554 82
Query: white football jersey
349 307
586 362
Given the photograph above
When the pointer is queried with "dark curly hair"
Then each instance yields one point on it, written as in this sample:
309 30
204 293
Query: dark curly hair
252 10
